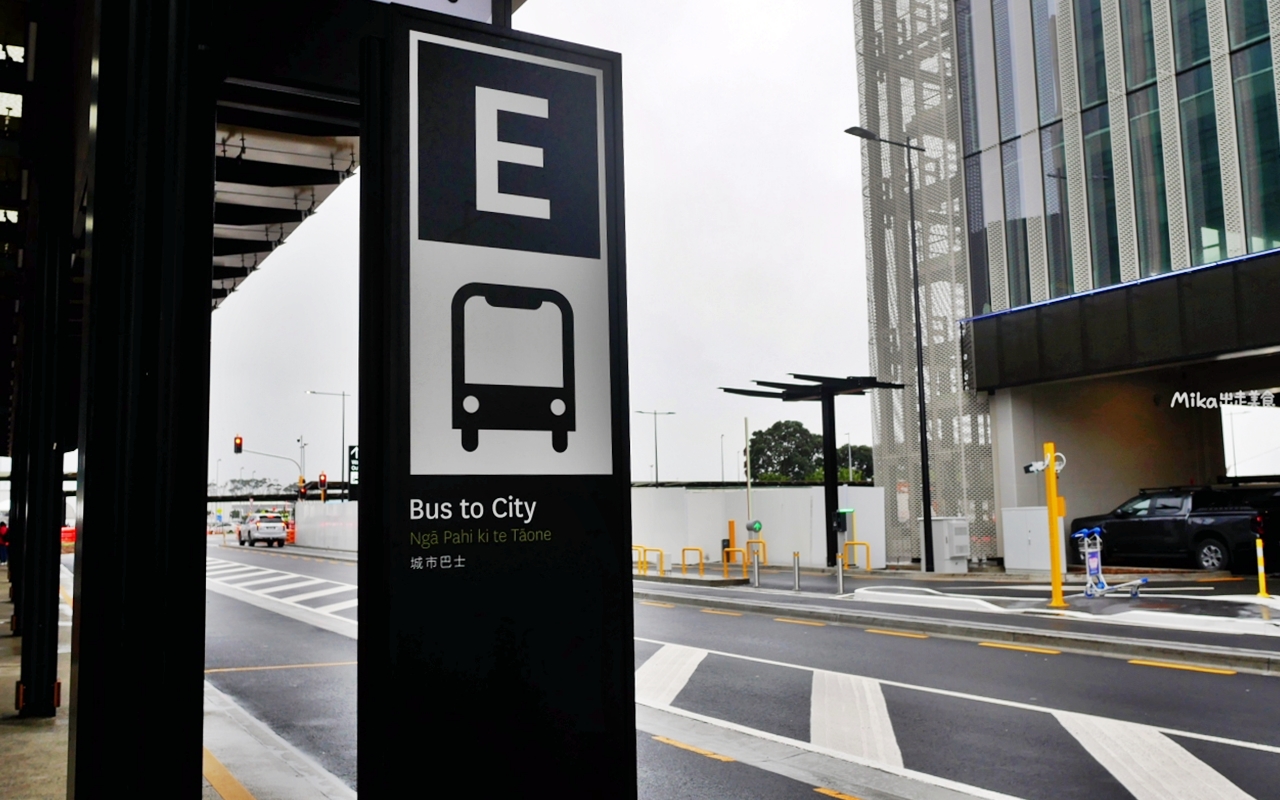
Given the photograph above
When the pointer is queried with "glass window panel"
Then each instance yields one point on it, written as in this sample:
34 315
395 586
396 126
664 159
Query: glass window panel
1056 222
1103 240
1091 52
1259 139
1006 88
979 277
1246 21
1190 32
1147 153
984 74
1044 23
1203 171
1139 46
968 93
1015 228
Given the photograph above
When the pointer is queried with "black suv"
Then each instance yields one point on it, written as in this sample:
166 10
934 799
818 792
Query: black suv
1211 527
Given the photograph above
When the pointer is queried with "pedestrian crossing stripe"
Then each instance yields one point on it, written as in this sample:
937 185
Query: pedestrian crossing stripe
285 587
849 719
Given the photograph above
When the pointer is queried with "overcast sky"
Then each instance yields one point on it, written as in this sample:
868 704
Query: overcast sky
744 244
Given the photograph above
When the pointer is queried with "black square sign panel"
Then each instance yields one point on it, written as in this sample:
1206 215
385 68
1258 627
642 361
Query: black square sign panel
508 152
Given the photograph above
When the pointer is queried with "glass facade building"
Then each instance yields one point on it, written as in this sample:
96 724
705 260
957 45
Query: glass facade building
1071 145
1158 139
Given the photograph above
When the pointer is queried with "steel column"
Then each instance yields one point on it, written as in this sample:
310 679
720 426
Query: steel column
47 143
144 411
831 470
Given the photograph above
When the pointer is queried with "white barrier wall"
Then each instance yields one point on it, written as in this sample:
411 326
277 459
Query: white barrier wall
329 526
672 518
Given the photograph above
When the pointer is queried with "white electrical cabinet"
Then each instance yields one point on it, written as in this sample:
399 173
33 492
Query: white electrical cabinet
1026 539
950 544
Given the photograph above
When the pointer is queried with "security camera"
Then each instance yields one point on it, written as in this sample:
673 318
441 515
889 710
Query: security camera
1034 467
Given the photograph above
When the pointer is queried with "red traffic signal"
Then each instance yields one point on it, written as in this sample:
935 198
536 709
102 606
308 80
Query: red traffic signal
324 481
239 444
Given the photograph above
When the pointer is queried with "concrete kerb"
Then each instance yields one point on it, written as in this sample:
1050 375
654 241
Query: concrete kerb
1258 662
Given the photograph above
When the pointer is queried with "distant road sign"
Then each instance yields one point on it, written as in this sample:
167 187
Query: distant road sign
353 464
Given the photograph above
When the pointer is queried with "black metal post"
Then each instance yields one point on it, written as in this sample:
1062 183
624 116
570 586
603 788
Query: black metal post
377 415
48 144
145 406
925 493
502 13
830 471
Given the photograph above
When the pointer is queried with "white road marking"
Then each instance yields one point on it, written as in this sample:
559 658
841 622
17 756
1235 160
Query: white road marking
242 575
995 701
224 582
336 607
923 777
661 678
298 598
288 586
279 576
848 713
1149 764
222 572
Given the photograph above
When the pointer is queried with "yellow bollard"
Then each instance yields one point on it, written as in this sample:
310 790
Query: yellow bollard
642 565
726 562
1055 511
1262 571
701 558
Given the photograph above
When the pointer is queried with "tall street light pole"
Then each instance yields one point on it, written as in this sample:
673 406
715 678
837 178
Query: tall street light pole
925 494
655 415
347 490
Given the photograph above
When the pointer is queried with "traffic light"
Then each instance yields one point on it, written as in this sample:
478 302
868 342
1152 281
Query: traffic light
754 526
324 485
239 444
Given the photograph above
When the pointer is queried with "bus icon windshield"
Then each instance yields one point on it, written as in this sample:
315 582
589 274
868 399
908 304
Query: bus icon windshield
512 354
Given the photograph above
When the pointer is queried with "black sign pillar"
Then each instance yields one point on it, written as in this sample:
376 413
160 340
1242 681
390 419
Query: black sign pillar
495 512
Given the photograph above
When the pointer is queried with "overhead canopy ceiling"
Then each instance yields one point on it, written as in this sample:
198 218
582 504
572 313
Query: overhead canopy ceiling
279 153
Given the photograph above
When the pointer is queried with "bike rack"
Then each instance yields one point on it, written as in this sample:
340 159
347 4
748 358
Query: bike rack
647 551
854 562
764 550
642 564
701 558
729 550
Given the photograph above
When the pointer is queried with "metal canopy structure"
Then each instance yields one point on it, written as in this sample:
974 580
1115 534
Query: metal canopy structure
825 390
817 387
278 155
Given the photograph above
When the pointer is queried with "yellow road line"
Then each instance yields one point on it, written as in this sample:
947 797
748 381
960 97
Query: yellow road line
834 793
691 748
1021 648
1142 662
222 781
657 605
282 666
903 634
800 622
722 613
66 598
1218 580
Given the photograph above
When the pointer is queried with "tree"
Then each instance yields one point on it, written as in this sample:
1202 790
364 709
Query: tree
862 467
785 451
